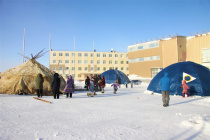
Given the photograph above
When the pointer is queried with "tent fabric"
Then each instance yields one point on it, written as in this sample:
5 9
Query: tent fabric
113 75
196 75
21 79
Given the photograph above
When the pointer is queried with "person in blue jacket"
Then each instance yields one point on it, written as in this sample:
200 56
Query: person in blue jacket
165 83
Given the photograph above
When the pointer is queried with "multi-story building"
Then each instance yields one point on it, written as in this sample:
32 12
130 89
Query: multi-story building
147 59
81 64
198 49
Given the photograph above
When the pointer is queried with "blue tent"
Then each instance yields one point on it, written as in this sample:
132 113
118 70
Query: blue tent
112 75
196 76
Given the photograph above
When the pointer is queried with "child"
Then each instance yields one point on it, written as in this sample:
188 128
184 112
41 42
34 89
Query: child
185 88
115 84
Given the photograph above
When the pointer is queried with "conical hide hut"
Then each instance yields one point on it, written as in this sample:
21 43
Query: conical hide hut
21 79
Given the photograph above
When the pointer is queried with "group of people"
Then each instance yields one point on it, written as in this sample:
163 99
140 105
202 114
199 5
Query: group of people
165 83
95 83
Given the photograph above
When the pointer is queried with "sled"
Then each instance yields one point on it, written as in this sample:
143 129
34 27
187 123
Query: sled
90 94
42 100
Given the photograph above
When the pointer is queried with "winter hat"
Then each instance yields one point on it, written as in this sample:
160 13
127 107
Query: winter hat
70 77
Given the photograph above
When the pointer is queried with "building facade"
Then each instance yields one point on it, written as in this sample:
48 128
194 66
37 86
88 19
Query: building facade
82 64
147 59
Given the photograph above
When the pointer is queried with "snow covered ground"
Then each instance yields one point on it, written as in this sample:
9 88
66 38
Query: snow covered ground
130 114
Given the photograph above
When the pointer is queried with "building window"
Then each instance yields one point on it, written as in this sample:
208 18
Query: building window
140 47
141 59
72 61
110 68
110 55
66 61
60 54
79 61
98 54
98 61
98 68
66 68
91 54
92 68
104 55
80 54
122 62
54 54
72 54
116 55
127 62
86 61
116 68
86 68
122 55
104 68
110 61
54 68
54 61
116 62
59 68
79 75
104 61
86 54
121 68
206 57
79 68
66 54
127 69
60 62
154 71
91 61
72 68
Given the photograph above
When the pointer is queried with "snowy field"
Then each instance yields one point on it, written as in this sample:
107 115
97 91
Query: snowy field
131 114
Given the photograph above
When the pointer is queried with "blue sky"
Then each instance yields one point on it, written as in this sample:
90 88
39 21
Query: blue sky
109 23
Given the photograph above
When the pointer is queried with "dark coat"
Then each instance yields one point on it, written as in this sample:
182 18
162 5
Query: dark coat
87 81
39 81
56 82
103 83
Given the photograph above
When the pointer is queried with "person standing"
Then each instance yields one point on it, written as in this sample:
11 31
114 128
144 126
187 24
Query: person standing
87 83
55 86
165 83
103 84
69 89
185 88
99 82
39 85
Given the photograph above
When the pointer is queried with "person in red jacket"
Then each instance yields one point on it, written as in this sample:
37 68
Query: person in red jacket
185 88
103 84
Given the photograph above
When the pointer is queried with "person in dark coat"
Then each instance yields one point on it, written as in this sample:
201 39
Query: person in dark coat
87 83
103 84
165 83
96 82
69 89
99 82
55 86
39 85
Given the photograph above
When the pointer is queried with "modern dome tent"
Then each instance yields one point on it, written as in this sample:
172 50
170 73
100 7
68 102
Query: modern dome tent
112 75
196 76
